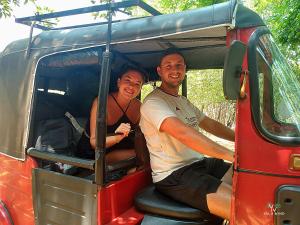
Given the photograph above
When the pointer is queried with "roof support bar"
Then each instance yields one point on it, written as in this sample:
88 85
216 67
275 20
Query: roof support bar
104 7
28 51
148 8
101 109
184 87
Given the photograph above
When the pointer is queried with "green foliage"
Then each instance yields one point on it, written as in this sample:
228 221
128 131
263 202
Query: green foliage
6 6
205 87
170 6
164 6
128 11
283 18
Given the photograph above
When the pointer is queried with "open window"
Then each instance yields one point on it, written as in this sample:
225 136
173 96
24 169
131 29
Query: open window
66 84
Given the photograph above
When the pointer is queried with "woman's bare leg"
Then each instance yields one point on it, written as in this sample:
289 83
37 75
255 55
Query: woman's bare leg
118 155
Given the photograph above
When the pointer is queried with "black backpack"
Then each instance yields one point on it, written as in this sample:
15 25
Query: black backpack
60 135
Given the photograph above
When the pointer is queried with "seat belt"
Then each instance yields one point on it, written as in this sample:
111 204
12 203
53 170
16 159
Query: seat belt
76 125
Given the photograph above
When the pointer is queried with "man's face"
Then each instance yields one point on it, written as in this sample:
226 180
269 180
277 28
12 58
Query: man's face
172 70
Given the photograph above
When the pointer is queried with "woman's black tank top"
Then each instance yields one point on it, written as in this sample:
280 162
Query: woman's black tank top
85 150
127 142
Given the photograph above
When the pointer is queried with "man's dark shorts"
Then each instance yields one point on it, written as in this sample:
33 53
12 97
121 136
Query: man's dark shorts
191 184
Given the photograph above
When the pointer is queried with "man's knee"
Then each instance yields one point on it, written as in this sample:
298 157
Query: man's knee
219 202
227 178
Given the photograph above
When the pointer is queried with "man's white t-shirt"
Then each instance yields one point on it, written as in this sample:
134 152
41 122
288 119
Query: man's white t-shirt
167 154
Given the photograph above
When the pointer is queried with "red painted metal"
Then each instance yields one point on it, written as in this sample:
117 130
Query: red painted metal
16 188
5 218
252 193
130 217
115 201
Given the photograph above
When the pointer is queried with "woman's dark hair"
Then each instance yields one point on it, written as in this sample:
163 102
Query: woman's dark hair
124 69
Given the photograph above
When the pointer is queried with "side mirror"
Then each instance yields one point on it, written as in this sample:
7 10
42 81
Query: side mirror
232 70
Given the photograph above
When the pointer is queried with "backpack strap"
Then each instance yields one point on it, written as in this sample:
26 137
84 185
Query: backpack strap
76 125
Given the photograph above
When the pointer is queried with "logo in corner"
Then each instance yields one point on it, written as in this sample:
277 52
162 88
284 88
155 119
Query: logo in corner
274 210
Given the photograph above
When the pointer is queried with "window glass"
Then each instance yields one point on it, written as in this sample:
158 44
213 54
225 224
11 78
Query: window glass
279 91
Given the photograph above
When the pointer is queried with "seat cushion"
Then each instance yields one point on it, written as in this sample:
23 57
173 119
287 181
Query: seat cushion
151 201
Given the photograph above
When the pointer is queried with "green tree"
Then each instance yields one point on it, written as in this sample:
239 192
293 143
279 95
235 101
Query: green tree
6 9
7 5
170 6
283 18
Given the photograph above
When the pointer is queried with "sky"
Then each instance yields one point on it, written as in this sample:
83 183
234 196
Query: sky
10 31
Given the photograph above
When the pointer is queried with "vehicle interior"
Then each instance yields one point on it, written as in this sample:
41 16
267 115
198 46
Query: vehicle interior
68 83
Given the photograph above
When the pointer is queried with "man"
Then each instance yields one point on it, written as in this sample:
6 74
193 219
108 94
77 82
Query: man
179 169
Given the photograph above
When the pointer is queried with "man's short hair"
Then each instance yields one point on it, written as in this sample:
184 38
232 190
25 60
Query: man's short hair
171 51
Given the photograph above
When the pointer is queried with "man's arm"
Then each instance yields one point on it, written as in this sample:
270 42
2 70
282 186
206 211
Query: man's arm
194 139
217 129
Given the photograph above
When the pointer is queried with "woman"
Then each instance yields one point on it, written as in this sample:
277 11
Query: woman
123 115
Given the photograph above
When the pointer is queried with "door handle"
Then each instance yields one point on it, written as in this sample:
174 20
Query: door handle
294 163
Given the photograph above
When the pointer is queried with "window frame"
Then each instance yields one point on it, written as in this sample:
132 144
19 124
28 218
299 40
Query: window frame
255 99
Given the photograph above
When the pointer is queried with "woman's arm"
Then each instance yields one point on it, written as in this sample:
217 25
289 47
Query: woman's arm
123 129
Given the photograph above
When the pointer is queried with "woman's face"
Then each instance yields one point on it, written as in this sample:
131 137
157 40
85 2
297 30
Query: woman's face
130 84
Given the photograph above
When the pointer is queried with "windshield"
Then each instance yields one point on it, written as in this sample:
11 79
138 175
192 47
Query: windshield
279 91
